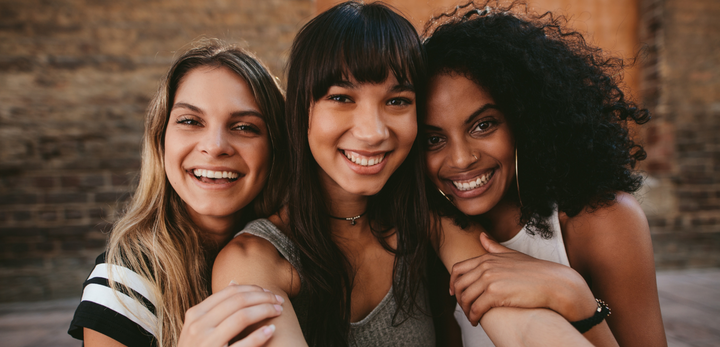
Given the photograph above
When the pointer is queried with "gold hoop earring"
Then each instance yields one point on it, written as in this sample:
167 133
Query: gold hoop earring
517 178
446 197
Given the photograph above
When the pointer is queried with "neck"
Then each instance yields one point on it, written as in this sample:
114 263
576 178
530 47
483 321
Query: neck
343 204
502 222
216 232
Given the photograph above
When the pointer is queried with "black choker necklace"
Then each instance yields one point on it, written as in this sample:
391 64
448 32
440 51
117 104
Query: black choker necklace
350 219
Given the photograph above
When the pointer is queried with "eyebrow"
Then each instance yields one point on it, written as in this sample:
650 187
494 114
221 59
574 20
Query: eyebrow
194 108
479 111
469 119
405 87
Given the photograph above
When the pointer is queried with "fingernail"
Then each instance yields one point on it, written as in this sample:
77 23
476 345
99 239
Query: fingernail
266 290
279 298
278 308
233 283
268 330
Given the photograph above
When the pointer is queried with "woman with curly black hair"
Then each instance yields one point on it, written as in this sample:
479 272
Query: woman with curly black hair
527 138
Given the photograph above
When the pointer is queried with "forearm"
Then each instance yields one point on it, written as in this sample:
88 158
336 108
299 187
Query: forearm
508 326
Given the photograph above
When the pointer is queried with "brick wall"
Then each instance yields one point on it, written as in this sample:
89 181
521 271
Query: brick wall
681 85
75 80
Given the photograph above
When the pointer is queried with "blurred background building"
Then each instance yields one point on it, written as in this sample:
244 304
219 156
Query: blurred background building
76 77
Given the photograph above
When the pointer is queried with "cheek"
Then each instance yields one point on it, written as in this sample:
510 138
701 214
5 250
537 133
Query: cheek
407 131
433 162
257 158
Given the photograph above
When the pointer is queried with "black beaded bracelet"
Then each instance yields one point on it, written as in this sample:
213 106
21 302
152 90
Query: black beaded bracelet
603 310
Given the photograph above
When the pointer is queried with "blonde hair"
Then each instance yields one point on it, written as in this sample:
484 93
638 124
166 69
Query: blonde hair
156 237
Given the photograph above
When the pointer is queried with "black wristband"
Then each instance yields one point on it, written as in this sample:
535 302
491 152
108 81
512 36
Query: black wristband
602 311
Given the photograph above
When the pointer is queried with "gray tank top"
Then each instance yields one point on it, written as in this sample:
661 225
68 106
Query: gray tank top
376 329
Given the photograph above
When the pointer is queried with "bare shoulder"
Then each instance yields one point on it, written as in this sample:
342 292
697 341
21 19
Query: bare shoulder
248 259
622 216
608 236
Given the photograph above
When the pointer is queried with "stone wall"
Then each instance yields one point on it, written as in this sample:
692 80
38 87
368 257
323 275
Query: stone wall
681 86
75 79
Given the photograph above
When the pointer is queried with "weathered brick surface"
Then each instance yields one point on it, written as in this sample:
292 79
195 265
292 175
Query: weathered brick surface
681 85
75 80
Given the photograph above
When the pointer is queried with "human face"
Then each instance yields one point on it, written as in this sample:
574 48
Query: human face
217 148
360 133
470 150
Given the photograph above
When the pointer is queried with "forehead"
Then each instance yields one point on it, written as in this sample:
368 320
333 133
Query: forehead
213 87
452 97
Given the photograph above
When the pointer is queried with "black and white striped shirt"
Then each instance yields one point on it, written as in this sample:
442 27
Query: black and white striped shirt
113 312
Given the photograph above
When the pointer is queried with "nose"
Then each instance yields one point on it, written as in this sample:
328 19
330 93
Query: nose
215 142
461 154
370 125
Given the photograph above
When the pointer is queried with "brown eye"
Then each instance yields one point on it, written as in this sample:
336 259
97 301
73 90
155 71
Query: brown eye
483 127
433 141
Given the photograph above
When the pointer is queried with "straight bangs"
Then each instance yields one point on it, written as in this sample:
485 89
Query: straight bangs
366 43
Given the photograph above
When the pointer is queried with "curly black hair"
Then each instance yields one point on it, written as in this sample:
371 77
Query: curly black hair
561 98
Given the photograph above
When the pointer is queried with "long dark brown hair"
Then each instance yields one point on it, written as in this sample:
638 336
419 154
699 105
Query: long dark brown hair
367 42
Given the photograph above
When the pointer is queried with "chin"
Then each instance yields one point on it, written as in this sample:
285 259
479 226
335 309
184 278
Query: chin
472 208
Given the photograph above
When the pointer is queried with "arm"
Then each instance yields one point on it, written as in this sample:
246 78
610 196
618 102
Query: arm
248 259
93 338
507 278
505 326
611 248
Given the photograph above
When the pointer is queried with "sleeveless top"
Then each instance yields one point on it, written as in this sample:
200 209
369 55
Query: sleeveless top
113 312
376 329
552 249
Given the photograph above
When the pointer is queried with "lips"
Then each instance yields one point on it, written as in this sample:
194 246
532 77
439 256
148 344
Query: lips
215 177
474 183
364 160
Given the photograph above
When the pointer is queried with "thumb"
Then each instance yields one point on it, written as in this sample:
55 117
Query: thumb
491 245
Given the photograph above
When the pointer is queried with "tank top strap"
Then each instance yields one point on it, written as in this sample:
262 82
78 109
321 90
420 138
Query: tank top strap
266 230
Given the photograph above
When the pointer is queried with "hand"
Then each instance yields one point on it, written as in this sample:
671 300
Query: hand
507 278
225 314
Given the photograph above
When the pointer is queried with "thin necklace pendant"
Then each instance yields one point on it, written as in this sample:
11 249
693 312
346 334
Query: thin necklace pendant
349 219
352 219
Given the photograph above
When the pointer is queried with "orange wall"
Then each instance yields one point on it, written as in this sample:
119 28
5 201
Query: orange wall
610 24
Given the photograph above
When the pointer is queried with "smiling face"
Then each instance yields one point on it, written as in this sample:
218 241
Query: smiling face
359 134
217 149
470 148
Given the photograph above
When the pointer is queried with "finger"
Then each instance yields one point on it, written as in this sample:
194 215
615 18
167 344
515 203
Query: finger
470 292
238 302
257 338
491 245
461 268
479 308
240 320
213 300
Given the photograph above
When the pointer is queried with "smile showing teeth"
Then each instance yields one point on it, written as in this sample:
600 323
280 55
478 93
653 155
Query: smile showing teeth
364 160
215 174
472 184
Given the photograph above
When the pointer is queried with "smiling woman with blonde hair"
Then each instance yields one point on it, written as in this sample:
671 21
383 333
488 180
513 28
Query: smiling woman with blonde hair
213 135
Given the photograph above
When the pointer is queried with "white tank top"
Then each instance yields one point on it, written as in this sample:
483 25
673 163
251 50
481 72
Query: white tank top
552 249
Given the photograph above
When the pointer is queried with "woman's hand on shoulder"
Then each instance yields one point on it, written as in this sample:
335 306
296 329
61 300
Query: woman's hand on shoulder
221 317
252 260
507 278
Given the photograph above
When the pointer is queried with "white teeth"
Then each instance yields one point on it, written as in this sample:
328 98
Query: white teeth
215 174
478 182
362 160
